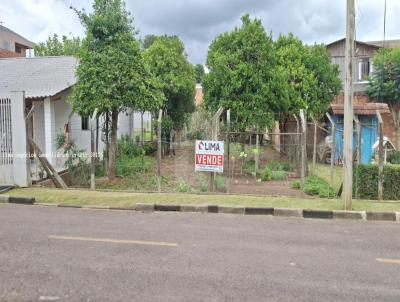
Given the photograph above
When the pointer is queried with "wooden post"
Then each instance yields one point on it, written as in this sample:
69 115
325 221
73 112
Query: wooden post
256 157
93 154
381 176
303 147
215 132
348 109
141 129
159 146
358 154
333 150
298 142
228 151
314 146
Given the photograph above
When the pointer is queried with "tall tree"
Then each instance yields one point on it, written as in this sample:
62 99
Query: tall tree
243 76
54 46
148 41
199 72
312 81
384 85
111 75
168 62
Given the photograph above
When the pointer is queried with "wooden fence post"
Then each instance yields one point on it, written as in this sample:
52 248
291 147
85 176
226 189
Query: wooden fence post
93 154
215 132
314 146
303 170
159 146
358 154
228 165
298 142
333 148
381 176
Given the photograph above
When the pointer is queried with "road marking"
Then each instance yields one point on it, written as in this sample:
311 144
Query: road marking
391 261
139 242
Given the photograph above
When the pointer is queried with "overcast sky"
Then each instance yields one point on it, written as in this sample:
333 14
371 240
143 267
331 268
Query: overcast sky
197 22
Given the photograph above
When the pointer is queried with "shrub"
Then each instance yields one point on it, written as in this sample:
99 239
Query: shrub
273 165
219 182
130 166
285 167
127 147
266 174
278 175
314 185
366 181
183 187
296 184
150 148
394 158
204 186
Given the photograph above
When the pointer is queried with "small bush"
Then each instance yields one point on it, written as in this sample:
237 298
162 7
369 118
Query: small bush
273 165
266 174
150 149
296 184
183 187
130 166
314 185
127 147
394 158
204 186
278 175
285 167
219 182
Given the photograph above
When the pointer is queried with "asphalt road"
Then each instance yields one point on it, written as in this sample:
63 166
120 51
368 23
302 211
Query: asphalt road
62 254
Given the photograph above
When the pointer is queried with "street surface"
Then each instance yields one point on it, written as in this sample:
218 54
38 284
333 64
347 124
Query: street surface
63 254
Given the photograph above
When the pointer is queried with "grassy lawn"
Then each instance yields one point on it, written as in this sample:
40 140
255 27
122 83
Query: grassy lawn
118 199
324 171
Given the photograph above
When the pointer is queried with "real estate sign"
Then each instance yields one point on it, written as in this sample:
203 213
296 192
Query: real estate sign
209 156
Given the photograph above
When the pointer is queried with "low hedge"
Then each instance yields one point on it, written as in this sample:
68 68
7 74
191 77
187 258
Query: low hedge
366 181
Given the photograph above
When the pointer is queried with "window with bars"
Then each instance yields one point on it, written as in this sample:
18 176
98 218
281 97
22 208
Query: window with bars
364 69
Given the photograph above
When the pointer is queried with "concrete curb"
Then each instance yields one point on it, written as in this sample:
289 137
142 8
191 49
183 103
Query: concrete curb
167 208
94 207
231 210
46 204
194 208
288 212
398 216
4 198
319 214
258 211
382 216
17 200
69 206
355 215
144 207
212 209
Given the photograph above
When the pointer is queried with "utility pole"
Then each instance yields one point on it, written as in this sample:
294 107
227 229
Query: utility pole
348 109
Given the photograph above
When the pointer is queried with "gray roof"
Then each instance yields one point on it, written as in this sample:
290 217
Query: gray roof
39 77
19 39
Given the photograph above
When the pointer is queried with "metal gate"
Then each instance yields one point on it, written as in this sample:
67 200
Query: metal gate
6 151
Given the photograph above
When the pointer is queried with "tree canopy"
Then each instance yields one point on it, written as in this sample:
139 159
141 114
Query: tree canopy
199 72
168 62
54 46
262 81
111 75
384 84
243 76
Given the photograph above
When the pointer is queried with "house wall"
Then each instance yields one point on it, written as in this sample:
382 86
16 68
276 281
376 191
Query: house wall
9 40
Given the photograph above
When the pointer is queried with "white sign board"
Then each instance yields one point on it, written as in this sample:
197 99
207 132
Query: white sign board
209 156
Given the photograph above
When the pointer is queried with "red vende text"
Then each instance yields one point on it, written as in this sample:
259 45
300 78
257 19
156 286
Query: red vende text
209 159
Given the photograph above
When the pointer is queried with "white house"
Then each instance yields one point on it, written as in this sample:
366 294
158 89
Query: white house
47 82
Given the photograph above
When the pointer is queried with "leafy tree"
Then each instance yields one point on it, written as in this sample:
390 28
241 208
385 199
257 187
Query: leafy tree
384 85
168 62
148 41
312 81
111 75
54 46
243 76
199 72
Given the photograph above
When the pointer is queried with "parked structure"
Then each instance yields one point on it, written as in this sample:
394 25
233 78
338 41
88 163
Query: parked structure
13 44
47 83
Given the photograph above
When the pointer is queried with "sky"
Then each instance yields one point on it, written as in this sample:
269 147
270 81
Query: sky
198 22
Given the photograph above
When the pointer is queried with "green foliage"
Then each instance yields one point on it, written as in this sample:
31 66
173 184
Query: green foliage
273 165
266 174
204 185
219 182
183 187
167 60
148 41
366 181
199 72
127 166
311 80
314 185
394 158
278 175
243 78
296 184
150 148
76 161
54 46
285 166
111 74
127 147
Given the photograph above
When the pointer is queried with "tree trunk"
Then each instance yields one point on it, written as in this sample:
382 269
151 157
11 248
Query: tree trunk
113 145
395 110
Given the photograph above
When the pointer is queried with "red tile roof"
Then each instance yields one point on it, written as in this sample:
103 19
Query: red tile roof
362 109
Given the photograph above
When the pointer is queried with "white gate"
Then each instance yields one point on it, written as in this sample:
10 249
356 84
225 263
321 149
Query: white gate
6 150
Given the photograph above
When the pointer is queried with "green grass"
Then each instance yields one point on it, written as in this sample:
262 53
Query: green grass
123 199
324 171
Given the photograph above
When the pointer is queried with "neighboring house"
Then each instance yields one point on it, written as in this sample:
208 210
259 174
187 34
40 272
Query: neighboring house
364 109
199 95
47 82
13 44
